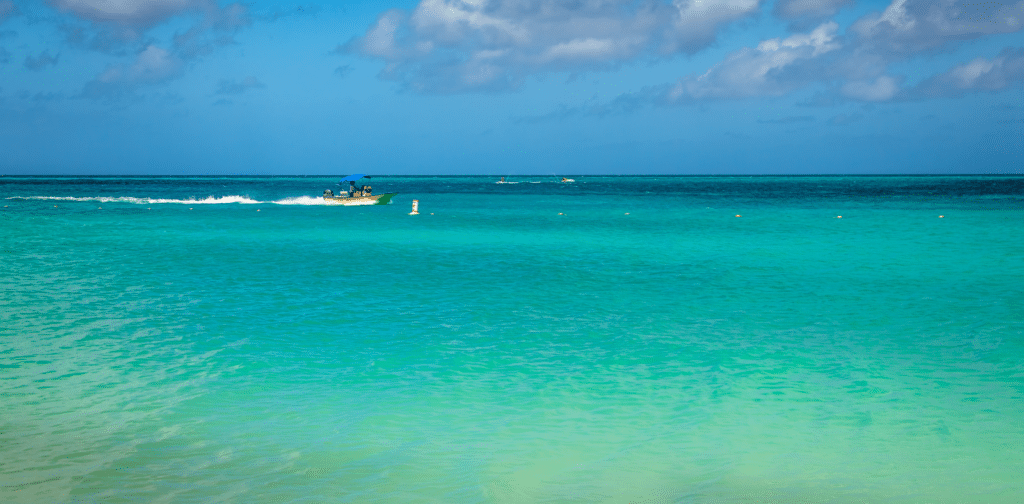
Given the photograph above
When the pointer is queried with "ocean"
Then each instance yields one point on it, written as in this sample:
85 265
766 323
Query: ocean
608 340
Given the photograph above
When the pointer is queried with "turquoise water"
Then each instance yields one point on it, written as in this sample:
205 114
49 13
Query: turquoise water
230 340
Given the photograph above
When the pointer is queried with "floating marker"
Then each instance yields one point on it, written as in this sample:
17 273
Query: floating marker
415 207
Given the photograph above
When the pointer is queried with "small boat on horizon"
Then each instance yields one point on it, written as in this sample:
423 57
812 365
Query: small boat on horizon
357 196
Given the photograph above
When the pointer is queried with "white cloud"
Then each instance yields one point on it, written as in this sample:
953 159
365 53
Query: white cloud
699 20
911 26
453 20
7 9
474 45
152 65
980 74
767 70
795 9
137 13
965 76
856 67
118 25
379 41
212 31
881 89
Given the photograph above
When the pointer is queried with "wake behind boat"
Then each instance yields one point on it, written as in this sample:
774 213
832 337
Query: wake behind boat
357 196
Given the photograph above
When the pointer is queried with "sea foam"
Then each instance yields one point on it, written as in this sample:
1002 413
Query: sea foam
209 200
301 200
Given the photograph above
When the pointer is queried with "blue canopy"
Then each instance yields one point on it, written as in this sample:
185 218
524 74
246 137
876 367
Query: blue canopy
352 178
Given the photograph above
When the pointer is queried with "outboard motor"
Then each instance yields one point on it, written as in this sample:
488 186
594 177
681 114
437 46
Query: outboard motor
328 194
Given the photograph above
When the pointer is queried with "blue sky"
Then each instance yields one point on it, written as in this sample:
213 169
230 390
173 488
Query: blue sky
507 87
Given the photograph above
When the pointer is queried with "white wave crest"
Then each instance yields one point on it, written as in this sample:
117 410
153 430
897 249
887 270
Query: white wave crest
210 200
301 200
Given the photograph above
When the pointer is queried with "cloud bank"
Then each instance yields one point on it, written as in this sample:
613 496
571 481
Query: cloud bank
119 27
445 46
981 74
775 67
855 66
457 46
912 26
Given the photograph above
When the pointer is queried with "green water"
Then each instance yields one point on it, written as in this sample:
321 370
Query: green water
229 340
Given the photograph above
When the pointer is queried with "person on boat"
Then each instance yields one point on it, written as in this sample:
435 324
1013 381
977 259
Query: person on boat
564 179
502 179
351 188
367 190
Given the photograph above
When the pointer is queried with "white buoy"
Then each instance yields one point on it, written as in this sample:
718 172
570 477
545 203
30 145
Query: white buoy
415 207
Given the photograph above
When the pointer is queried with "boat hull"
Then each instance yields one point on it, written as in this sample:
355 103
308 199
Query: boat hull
376 199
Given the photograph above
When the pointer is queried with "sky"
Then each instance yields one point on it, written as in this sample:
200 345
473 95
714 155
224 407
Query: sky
511 87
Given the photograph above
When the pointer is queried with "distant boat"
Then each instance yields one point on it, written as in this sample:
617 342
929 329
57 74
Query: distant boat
357 196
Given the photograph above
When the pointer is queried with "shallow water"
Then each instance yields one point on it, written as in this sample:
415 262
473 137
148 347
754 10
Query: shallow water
259 347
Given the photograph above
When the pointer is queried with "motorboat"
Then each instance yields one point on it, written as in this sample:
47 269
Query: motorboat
357 196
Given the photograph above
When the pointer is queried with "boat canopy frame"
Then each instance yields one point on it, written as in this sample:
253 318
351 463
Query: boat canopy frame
354 177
